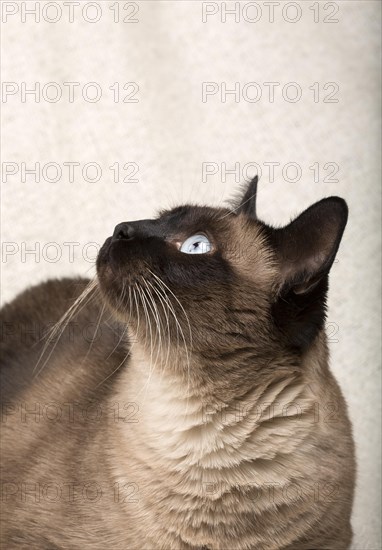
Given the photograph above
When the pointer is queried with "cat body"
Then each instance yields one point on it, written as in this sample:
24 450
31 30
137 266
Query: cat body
187 403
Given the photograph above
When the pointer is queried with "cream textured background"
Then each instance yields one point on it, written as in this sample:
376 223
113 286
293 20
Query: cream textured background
170 132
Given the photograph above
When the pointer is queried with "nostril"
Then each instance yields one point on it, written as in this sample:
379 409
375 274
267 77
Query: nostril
124 231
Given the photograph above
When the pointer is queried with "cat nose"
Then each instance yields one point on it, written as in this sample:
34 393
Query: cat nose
124 231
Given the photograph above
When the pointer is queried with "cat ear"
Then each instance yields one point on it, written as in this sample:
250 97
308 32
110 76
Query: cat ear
247 203
307 247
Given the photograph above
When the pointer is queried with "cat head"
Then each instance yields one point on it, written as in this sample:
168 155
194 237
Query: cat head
219 281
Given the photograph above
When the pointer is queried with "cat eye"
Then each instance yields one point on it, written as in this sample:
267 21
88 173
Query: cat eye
197 244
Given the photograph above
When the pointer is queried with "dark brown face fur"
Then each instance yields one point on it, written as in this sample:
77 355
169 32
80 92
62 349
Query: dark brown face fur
258 293
223 309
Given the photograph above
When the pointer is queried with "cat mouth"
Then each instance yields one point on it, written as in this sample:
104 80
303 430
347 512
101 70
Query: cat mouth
103 257
120 265
114 255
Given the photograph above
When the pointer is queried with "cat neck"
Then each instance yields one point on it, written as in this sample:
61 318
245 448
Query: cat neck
192 455
187 425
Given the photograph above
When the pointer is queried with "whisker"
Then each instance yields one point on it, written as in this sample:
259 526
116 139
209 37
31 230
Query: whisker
114 371
151 303
95 332
180 305
148 323
165 308
59 328
119 341
163 284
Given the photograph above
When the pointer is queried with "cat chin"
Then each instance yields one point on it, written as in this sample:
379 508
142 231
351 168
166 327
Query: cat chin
116 273
112 254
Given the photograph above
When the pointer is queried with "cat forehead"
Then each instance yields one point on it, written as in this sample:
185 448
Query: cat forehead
190 214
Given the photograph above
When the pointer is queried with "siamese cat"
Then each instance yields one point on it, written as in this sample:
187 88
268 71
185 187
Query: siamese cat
183 399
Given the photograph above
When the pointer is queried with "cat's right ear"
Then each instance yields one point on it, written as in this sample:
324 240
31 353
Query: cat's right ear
247 202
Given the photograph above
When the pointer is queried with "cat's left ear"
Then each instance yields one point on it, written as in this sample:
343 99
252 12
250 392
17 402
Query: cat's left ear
305 250
247 203
307 247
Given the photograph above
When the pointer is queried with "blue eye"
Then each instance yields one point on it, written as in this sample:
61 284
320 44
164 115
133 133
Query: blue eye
197 244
